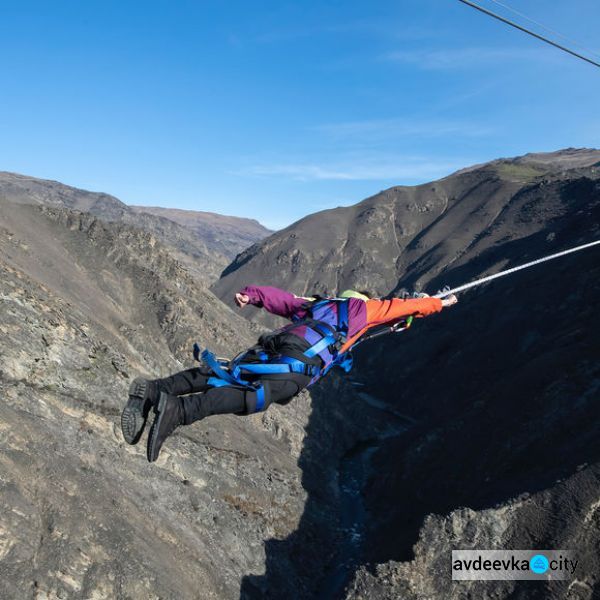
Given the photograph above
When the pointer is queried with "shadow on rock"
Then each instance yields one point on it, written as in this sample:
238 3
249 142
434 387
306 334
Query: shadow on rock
300 565
505 394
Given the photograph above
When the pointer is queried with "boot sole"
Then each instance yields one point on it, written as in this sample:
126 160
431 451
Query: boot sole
152 451
132 417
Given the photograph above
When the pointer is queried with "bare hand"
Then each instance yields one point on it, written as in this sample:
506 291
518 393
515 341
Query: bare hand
449 300
241 299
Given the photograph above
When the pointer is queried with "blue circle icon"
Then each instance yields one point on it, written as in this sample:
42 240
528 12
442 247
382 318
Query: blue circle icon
539 564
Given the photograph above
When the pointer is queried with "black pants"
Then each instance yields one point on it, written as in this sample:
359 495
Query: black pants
201 400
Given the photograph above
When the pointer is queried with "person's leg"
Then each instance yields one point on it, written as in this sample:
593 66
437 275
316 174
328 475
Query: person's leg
283 390
230 400
215 401
190 381
171 411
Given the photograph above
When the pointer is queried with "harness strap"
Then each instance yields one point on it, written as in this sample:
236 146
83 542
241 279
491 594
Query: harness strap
321 345
260 398
281 367
330 336
343 317
222 377
210 361
299 366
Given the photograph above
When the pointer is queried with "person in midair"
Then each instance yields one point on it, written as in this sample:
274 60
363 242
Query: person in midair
277 368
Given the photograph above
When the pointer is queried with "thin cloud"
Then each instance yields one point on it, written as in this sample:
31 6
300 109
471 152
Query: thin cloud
379 28
380 129
462 58
396 169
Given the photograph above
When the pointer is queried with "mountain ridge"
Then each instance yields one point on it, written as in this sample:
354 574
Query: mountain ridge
205 248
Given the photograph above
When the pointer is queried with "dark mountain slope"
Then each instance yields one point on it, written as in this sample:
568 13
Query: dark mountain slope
504 392
406 231
500 443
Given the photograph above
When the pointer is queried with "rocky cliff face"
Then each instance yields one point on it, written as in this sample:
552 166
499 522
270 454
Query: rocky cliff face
504 450
204 242
86 306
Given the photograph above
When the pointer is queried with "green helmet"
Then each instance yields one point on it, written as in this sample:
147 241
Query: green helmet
353 294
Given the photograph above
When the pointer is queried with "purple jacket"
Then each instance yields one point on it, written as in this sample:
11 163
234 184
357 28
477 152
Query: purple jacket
361 315
285 304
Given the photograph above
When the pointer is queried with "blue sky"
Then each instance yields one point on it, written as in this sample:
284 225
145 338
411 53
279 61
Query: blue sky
277 109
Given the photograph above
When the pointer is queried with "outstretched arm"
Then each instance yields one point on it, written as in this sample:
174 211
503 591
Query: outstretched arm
272 299
391 311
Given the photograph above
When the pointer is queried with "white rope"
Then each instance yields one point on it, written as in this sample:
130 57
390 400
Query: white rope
466 286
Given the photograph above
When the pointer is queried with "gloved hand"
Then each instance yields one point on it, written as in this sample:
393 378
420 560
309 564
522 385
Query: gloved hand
241 300
449 300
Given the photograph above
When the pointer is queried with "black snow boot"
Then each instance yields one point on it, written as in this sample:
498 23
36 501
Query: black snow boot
142 395
169 415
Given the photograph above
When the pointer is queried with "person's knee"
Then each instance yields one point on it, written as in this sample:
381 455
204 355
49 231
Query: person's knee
283 391
284 401
258 400
278 391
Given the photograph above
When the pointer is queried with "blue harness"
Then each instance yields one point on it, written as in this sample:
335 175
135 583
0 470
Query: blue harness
325 339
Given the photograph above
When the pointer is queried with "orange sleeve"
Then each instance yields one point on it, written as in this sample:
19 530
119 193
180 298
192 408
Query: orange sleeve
389 311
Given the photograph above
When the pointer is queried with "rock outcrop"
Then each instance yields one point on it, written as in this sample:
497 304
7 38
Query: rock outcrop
85 306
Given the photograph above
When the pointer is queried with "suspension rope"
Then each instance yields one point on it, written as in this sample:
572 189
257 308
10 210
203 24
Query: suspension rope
528 31
467 286
548 29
